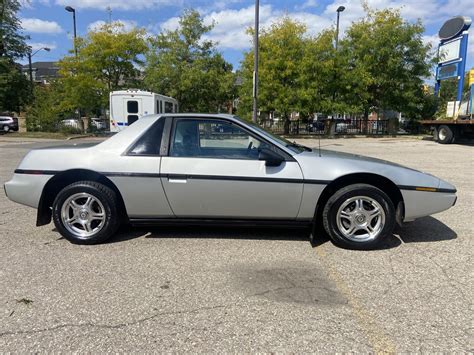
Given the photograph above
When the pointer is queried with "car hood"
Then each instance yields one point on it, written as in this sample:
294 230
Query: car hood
356 158
330 165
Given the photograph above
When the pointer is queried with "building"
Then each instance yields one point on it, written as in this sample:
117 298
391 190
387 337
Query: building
42 72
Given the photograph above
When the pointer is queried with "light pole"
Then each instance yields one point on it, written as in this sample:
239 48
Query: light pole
71 9
255 64
30 55
339 10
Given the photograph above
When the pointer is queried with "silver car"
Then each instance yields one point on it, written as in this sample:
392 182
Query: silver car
198 169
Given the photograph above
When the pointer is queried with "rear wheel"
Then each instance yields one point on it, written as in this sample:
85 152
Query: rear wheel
6 129
86 212
359 216
445 134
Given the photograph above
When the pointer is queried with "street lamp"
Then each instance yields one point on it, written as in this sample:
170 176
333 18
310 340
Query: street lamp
71 9
30 55
339 10
255 63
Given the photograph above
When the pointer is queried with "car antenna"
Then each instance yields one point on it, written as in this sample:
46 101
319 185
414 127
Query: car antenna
319 143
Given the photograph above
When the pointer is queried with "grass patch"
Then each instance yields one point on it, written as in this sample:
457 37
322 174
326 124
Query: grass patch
47 135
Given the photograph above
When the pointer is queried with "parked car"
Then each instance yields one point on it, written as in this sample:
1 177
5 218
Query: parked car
73 123
98 123
317 126
8 123
162 170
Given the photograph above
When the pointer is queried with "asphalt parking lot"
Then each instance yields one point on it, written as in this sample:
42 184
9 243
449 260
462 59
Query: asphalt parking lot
243 290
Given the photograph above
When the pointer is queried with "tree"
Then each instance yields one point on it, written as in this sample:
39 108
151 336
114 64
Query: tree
48 109
108 59
14 87
184 65
386 63
281 84
12 42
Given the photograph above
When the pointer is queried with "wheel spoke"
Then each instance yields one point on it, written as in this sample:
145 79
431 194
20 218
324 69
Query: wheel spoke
95 216
87 226
374 213
72 220
352 229
369 229
73 204
88 202
346 215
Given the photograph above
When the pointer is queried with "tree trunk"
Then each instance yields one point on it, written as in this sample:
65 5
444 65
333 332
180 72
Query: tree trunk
366 120
286 124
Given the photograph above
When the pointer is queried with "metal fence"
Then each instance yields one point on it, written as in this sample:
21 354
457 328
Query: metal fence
342 127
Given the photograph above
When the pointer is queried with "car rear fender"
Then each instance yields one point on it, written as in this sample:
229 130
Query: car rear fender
65 178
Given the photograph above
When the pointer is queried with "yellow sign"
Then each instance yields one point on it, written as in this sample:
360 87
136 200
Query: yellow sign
471 77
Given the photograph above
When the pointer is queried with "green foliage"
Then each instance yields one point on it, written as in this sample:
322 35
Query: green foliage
108 59
47 110
386 61
12 41
283 49
380 65
14 87
184 65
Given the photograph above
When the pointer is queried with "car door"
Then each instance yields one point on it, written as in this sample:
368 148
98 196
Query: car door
213 170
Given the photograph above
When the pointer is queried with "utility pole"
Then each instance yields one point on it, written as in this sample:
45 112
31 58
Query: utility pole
30 67
255 64
71 9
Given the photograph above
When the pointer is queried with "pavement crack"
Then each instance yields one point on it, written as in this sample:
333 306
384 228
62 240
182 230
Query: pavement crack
114 326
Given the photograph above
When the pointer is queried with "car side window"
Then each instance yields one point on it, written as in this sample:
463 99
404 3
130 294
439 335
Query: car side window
213 139
150 142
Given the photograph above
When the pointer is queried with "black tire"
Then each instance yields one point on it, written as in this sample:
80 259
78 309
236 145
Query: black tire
330 215
6 129
102 193
445 134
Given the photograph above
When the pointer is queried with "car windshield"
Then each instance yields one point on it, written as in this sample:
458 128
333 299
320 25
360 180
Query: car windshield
295 147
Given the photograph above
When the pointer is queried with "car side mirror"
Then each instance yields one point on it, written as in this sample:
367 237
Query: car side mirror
270 157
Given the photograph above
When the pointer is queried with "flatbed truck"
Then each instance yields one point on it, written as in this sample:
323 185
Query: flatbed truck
449 131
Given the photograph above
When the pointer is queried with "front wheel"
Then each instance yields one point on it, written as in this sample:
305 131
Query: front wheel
6 129
359 216
86 212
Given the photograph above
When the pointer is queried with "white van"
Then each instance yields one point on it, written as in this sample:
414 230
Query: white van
127 106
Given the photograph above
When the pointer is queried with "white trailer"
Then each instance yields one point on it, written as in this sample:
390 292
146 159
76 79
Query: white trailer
127 106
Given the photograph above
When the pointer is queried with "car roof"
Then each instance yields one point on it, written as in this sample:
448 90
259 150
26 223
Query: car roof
205 115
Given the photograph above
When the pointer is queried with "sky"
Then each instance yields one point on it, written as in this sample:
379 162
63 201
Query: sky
49 25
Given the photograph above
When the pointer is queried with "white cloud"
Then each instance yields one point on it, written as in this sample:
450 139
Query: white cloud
36 25
119 4
307 5
431 39
428 11
37 45
171 24
231 25
127 25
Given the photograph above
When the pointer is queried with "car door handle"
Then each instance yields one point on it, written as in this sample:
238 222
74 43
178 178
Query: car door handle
177 179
